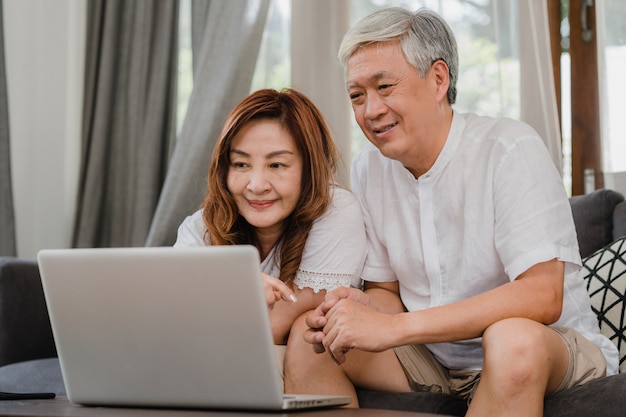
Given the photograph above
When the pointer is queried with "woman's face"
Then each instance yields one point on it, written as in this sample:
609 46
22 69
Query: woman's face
265 175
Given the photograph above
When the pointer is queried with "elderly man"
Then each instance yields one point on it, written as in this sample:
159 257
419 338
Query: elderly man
471 279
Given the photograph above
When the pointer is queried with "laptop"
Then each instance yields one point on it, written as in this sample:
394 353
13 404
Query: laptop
165 327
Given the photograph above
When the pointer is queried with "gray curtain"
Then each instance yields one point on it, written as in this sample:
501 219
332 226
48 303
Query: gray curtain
7 217
128 121
228 49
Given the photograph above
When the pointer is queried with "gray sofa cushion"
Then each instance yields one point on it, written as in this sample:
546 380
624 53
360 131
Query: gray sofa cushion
424 402
601 397
26 332
39 375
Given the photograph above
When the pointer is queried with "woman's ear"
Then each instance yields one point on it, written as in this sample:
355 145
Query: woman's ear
441 74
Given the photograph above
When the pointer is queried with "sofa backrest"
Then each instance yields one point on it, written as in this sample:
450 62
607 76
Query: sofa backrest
25 331
619 220
594 219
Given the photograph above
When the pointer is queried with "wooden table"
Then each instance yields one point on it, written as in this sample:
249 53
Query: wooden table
61 407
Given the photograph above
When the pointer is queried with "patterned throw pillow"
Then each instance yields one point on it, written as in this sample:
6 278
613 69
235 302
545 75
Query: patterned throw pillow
605 275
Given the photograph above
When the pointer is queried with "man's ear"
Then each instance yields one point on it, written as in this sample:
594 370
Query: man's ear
441 73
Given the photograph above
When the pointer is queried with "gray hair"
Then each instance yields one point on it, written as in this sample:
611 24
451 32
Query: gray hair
424 38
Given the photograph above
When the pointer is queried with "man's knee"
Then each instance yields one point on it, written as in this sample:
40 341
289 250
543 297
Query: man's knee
517 352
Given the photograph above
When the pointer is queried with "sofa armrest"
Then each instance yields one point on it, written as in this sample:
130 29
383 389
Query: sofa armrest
25 331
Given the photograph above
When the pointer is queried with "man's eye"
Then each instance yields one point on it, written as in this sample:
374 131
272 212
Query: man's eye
355 96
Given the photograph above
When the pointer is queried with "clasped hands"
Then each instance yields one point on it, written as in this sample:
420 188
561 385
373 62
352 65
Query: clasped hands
347 320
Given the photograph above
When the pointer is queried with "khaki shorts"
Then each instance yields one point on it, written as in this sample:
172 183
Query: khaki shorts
425 374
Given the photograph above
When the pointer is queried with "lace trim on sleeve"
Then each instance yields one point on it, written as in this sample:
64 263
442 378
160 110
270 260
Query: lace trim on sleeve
321 281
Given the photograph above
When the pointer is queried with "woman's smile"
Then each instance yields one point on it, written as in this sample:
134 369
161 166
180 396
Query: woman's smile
261 204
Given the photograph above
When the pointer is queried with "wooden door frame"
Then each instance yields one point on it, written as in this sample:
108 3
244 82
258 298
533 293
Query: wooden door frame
585 97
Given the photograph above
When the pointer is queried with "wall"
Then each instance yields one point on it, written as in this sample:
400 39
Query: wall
44 45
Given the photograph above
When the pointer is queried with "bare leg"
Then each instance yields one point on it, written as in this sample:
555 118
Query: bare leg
524 361
309 373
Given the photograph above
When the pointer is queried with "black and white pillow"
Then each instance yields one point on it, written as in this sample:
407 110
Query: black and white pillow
605 275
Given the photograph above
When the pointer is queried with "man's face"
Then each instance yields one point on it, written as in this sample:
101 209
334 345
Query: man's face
395 107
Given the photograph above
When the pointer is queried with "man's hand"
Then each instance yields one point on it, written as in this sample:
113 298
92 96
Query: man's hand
344 321
317 319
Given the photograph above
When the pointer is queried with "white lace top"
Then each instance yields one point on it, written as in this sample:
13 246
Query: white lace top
334 252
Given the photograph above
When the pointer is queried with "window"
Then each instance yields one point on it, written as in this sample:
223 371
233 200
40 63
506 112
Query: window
273 68
612 50
592 86
487 32
185 62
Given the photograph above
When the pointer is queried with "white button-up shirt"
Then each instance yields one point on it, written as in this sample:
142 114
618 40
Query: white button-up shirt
492 206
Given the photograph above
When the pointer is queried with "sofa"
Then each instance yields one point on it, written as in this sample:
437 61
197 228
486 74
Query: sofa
28 360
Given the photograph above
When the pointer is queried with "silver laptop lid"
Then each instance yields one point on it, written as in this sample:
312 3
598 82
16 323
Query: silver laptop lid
172 327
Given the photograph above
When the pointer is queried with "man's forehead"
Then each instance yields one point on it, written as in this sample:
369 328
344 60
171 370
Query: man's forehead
374 51
373 62
372 78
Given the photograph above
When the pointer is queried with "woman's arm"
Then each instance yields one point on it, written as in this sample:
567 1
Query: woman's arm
284 313
276 290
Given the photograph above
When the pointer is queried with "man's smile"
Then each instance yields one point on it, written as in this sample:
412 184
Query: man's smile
385 128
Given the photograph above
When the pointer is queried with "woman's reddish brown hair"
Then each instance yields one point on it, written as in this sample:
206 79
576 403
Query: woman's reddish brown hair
297 114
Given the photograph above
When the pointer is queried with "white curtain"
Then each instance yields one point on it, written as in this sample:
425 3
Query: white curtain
538 94
44 57
315 37
223 70
611 43
128 119
8 245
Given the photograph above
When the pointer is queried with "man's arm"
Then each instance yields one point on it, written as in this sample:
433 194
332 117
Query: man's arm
385 296
537 294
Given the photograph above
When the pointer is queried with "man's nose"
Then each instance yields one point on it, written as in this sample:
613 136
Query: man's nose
374 106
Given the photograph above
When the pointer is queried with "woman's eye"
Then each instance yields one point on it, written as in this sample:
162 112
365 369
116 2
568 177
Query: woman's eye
277 165
238 164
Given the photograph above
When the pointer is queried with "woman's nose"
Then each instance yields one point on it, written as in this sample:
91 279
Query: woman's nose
258 182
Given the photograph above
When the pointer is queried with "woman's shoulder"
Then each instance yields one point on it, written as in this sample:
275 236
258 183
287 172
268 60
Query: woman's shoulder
342 199
192 231
195 219
336 245
340 193
343 209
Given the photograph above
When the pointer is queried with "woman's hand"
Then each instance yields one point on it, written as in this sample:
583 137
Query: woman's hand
275 290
